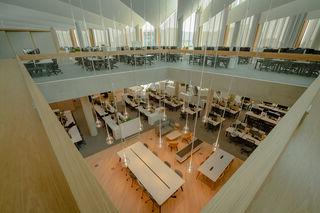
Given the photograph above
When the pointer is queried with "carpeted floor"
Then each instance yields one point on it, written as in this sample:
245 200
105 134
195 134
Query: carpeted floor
97 143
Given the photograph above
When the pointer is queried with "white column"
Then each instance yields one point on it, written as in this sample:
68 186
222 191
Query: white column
88 114
176 89
79 33
209 101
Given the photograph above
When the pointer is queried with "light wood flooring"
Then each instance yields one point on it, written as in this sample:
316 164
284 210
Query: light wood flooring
196 191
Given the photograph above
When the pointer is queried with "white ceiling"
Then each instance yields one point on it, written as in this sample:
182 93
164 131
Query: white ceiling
58 13
153 11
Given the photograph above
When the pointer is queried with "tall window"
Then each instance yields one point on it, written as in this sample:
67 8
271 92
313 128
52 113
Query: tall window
236 3
230 34
309 35
244 32
168 30
85 38
211 30
188 30
204 3
148 35
130 35
116 37
100 37
272 33
64 38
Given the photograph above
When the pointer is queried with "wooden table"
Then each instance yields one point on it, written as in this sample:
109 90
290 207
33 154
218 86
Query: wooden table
156 177
174 135
214 166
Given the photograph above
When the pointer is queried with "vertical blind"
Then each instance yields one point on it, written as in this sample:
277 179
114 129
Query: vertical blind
310 33
168 30
64 38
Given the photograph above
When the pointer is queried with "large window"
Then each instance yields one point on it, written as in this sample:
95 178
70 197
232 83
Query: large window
148 35
168 30
117 37
230 34
64 38
272 33
130 35
211 30
85 38
100 37
244 32
236 3
309 35
204 3
188 30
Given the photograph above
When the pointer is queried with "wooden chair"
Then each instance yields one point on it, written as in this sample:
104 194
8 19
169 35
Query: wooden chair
173 145
186 138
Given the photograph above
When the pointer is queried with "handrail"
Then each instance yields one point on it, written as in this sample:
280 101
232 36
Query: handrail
87 192
237 194
269 55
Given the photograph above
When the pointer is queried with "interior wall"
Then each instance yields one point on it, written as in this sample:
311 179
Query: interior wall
20 41
284 94
44 41
5 48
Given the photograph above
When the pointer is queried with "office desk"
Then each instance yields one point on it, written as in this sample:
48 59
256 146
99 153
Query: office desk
156 177
261 117
192 112
234 113
130 103
215 165
113 126
275 109
155 96
173 135
73 132
172 105
100 111
242 135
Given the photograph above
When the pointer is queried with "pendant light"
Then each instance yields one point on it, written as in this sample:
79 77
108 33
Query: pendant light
109 138
98 122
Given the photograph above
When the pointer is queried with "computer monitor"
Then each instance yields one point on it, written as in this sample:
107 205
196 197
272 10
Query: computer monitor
283 107
267 103
246 99
241 127
273 115
255 110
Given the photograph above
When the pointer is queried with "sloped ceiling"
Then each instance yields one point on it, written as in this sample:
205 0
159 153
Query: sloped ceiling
153 11
60 12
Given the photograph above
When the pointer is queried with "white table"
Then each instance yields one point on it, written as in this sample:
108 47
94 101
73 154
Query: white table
100 110
73 132
215 123
156 177
214 166
173 135
282 112
262 117
113 126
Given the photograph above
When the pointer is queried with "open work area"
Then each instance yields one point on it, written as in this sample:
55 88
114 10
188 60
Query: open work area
172 106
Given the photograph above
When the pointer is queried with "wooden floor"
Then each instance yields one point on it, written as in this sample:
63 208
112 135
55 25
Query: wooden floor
197 191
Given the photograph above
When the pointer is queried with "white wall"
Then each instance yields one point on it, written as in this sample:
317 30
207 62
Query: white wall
20 40
44 41
5 49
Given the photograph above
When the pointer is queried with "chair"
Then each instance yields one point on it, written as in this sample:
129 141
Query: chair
173 145
178 172
132 176
186 138
146 145
154 153
167 163
152 200
143 190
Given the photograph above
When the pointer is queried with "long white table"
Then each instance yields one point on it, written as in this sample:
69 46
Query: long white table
282 112
174 135
100 111
214 166
113 126
262 117
73 132
156 177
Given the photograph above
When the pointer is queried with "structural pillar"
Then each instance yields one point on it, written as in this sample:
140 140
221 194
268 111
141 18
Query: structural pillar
176 89
88 114
79 33
209 101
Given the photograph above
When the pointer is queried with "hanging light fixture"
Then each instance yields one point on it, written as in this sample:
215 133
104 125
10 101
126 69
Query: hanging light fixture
98 123
164 117
186 128
204 119
109 138
125 114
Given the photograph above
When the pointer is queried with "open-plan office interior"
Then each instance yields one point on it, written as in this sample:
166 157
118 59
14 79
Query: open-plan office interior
159 106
